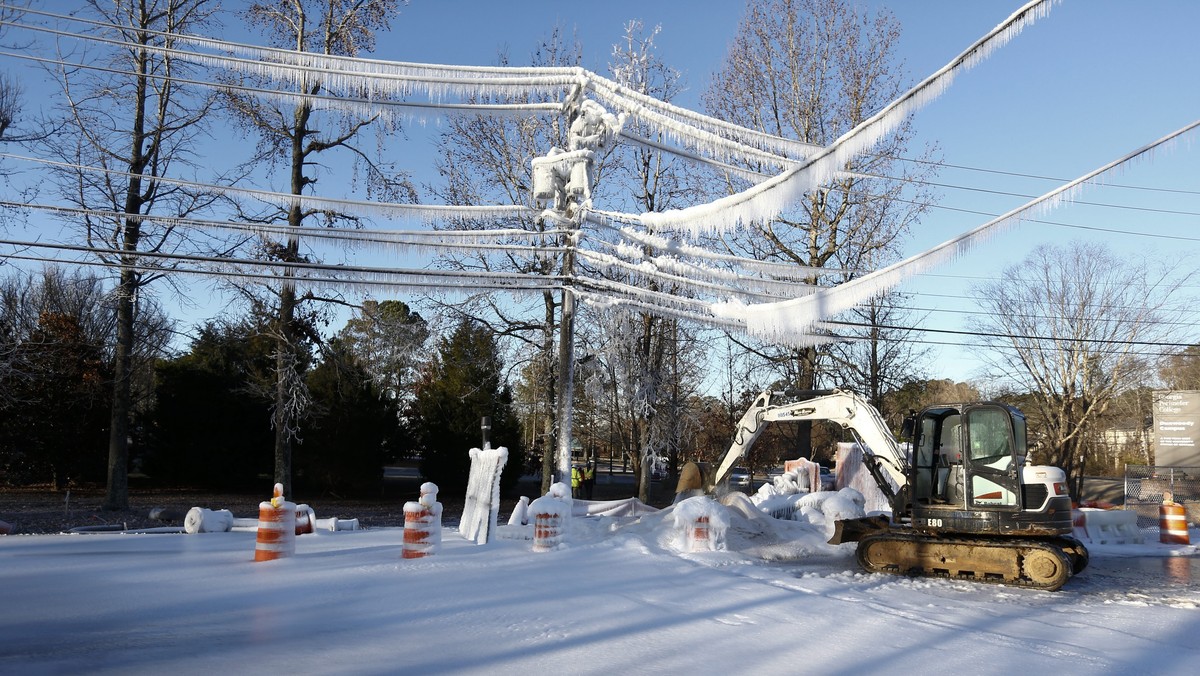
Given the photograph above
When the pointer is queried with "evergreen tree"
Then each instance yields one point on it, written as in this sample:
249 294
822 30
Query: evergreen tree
211 426
386 339
463 385
58 417
351 431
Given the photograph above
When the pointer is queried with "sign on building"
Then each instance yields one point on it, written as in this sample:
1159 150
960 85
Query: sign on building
1177 428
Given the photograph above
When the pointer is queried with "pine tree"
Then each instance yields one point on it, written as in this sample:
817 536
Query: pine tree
463 385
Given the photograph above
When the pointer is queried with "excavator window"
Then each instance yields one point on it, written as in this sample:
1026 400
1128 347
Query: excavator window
991 438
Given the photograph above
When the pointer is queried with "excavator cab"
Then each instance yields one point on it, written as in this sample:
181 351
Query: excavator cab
968 475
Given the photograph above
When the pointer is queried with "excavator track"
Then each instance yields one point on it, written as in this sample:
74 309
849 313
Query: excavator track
1038 564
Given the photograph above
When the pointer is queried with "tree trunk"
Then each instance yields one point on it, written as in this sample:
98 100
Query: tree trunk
117 497
284 362
285 345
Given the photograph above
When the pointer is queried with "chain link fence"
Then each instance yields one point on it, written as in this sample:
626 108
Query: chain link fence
1145 486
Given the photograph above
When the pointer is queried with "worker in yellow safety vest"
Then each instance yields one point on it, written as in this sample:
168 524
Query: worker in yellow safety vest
576 480
589 480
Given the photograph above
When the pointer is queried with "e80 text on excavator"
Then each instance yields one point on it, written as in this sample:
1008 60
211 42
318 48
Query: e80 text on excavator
965 504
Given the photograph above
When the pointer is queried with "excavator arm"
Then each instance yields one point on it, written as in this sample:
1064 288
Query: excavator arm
882 453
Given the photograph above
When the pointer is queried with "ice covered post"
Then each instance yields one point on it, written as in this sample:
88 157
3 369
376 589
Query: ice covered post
481 505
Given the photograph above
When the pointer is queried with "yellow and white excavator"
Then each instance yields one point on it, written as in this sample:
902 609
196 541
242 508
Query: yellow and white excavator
965 504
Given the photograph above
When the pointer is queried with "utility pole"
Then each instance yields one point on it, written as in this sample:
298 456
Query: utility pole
565 178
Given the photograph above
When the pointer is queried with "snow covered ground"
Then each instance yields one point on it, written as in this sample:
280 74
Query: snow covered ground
620 597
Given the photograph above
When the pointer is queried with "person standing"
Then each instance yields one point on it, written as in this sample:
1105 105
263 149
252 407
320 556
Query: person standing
576 481
589 479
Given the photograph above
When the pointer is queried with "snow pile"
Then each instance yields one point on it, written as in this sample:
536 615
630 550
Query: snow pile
821 509
798 478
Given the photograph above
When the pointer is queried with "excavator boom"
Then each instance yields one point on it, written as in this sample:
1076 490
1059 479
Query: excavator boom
838 406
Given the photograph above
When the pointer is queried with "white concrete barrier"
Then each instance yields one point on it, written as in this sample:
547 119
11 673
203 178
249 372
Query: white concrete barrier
1107 526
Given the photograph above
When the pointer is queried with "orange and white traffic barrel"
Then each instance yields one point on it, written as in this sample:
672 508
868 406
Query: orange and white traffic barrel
698 540
550 519
547 531
420 532
1173 524
276 528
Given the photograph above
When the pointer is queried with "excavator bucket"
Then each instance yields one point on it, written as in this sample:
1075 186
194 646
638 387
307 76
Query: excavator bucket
853 530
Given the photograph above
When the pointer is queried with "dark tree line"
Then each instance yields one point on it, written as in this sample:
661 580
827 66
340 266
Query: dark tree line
202 418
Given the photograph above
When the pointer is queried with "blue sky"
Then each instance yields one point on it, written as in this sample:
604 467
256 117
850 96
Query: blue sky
1079 88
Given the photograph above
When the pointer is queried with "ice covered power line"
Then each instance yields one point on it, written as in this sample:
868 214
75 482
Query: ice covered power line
709 140
387 109
438 240
340 275
1038 177
400 79
400 281
771 197
426 213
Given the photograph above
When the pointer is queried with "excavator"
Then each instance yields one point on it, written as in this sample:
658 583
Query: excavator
965 505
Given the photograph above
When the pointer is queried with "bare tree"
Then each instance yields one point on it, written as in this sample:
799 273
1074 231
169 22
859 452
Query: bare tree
1065 326
811 70
10 102
644 349
1181 370
134 124
876 353
295 136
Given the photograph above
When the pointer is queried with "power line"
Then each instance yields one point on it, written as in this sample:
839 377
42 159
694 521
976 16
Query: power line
542 108
1035 346
1046 178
